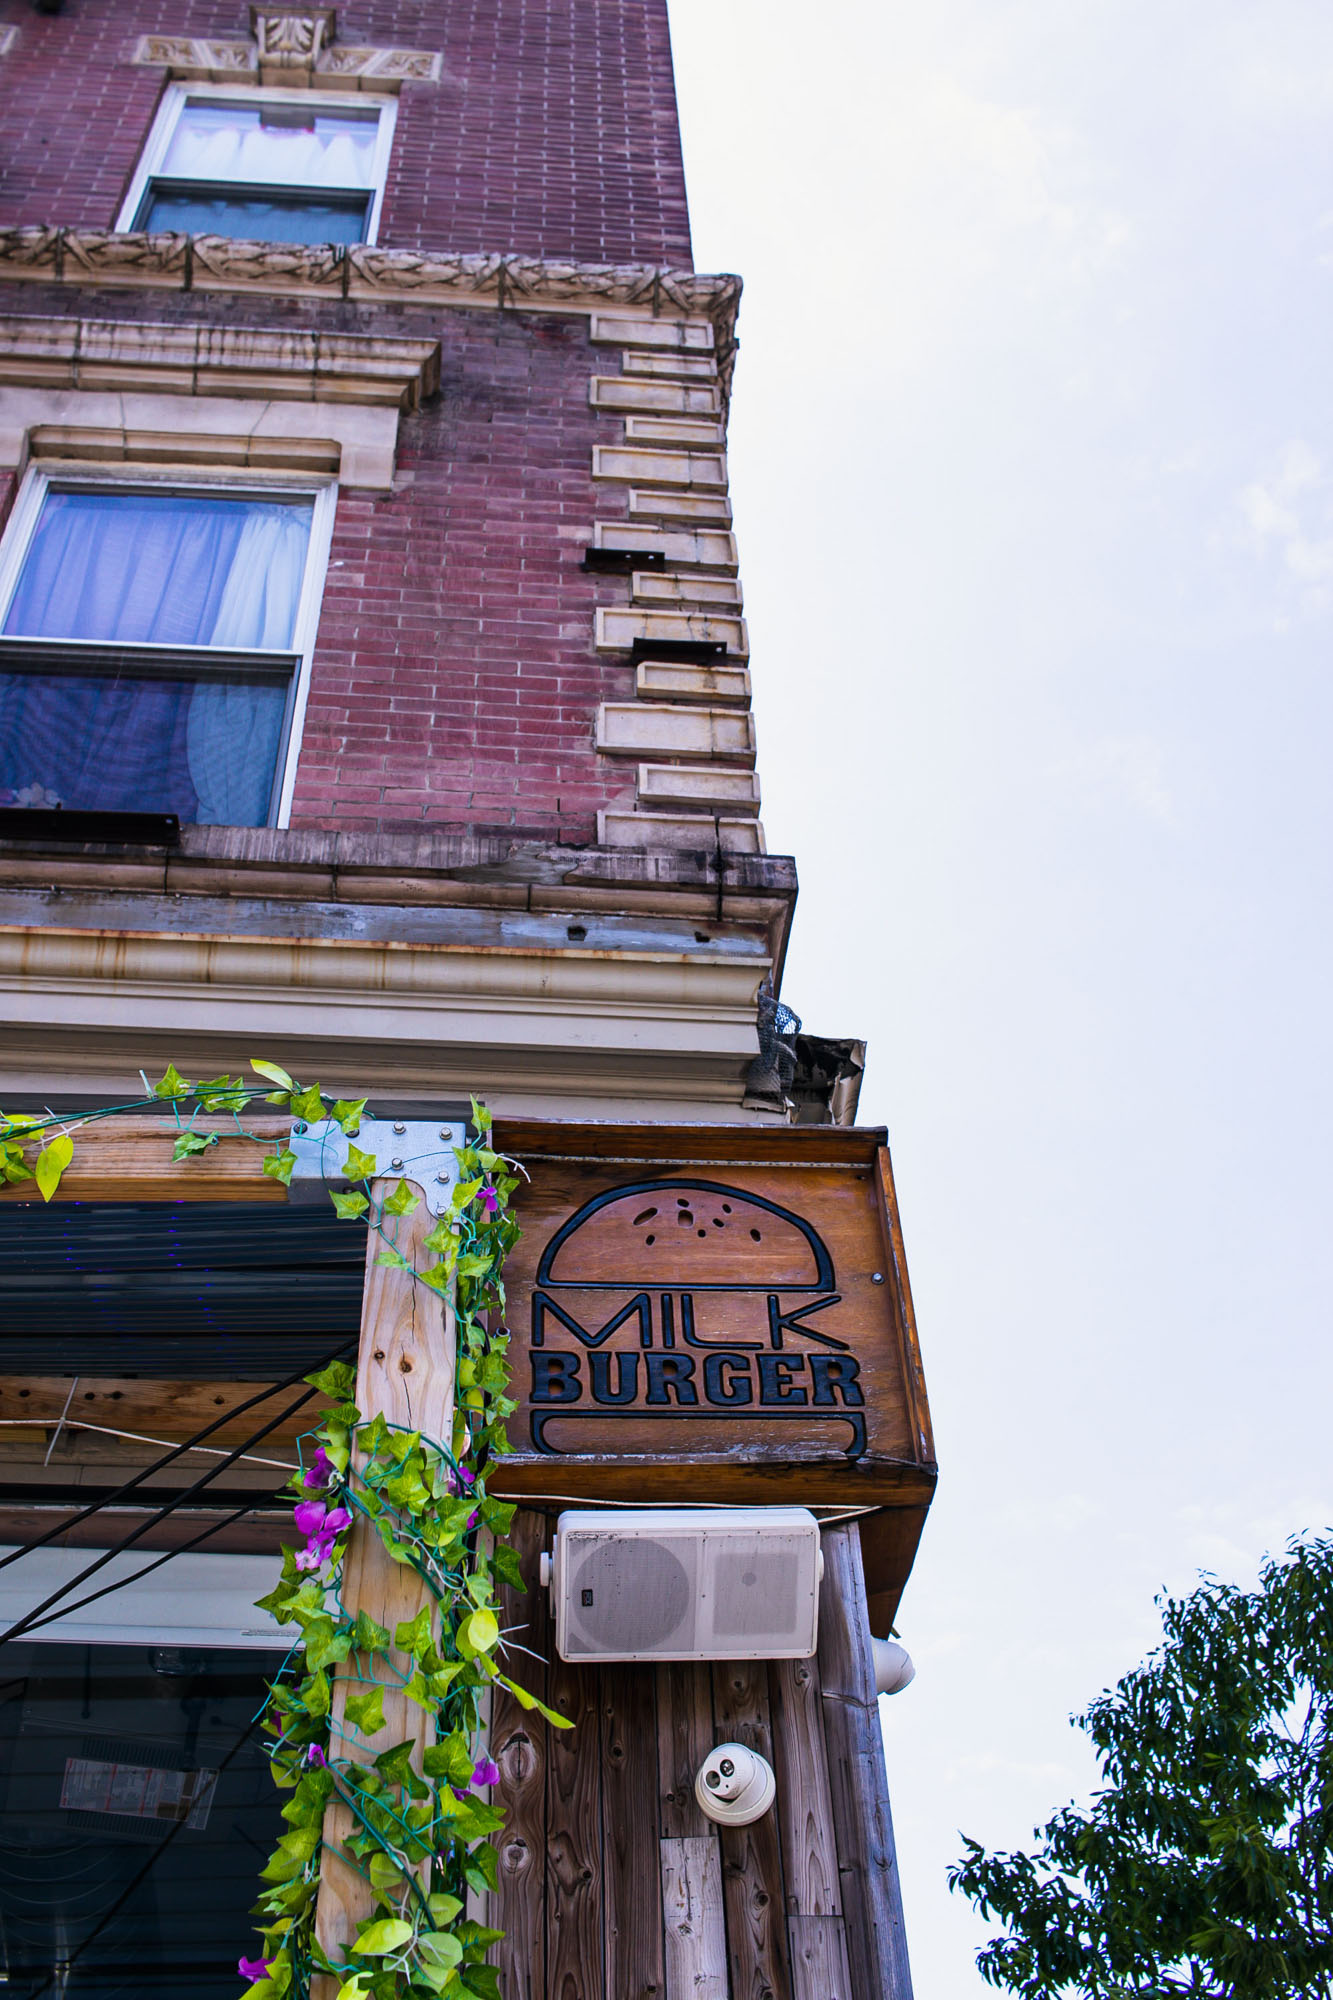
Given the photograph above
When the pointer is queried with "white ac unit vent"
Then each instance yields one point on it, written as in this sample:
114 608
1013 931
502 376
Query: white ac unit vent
684 1583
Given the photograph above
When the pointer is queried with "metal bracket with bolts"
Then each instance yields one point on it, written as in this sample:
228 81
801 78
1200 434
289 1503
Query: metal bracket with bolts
420 1150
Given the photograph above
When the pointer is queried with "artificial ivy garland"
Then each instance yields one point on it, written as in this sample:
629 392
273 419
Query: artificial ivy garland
421 1828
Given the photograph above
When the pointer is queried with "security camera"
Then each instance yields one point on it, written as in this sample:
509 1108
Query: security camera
893 1666
735 1785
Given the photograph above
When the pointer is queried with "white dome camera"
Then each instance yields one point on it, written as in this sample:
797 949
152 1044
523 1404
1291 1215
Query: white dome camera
735 1785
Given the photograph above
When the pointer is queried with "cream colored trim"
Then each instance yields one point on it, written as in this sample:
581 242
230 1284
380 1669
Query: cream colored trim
719 787
218 361
681 830
680 399
8 37
671 680
72 444
202 431
618 628
714 549
637 729
665 587
630 1025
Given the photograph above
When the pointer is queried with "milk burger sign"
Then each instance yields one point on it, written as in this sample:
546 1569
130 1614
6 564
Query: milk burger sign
713 1297
718 1313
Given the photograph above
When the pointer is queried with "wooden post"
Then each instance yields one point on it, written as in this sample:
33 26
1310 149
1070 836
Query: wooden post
405 1371
861 1821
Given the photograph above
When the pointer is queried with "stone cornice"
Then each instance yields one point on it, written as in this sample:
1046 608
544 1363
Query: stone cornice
369 275
96 354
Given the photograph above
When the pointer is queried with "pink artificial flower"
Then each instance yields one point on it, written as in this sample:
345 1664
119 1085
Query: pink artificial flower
490 1200
309 1516
319 1471
314 1755
312 1556
254 1968
486 1772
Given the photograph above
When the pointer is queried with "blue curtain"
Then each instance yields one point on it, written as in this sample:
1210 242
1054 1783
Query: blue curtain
152 569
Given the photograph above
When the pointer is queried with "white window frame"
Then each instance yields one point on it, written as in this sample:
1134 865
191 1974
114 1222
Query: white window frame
37 483
178 95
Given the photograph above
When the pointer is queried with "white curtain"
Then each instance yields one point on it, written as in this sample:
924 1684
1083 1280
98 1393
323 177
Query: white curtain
159 569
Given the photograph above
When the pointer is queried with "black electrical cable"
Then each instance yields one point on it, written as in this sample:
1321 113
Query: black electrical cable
215 1528
17 1630
177 1451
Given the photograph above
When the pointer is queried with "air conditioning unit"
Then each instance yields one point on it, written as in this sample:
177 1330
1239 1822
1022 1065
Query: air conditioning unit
685 1583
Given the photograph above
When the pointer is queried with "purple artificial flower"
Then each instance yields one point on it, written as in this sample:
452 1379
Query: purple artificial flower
486 1772
254 1968
336 1520
319 1471
309 1516
459 1794
314 1755
490 1200
468 1477
472 1518
312 1556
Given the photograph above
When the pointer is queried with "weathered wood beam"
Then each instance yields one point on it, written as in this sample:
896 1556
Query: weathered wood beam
862 1822
405 1371
128 1158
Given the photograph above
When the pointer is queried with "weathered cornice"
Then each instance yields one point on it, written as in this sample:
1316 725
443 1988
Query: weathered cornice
217 361
369 275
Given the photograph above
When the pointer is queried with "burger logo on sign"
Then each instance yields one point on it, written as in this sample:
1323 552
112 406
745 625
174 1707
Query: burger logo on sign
687 1299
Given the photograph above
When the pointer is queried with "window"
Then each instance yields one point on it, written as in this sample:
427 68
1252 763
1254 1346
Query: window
307 168
154 646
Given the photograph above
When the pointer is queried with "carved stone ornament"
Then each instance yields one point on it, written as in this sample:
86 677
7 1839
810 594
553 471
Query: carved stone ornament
292 40
190 58
366 273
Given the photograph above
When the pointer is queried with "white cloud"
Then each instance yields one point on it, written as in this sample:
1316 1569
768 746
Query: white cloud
1289 512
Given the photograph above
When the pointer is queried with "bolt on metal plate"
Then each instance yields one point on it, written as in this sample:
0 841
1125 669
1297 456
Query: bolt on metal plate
421 1150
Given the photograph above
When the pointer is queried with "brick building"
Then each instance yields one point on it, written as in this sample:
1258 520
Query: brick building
374 694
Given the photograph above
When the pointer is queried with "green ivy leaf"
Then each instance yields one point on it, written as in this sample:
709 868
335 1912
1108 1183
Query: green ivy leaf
403 1201
51 1163
384 1935
347 1114
415 1635
348 1206
268 1069
526 1700
359 1166
366 1711
308 1104
394 1259
368 1636
278 1166
477 1633
442 1947
443 1909
172 1084
189 1143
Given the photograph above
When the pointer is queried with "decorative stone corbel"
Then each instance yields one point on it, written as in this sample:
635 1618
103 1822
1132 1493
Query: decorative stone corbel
292 40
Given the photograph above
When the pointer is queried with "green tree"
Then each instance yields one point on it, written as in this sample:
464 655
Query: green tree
1204 1865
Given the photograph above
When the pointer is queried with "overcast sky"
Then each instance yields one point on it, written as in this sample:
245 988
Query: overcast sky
1033 477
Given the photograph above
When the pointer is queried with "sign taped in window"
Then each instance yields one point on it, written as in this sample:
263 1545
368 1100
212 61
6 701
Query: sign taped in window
138 1791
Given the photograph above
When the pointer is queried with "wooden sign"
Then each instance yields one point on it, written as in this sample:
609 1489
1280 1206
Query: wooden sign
712 1314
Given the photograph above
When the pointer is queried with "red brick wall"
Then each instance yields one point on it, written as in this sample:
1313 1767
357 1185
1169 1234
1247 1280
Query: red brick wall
553 132
455 680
